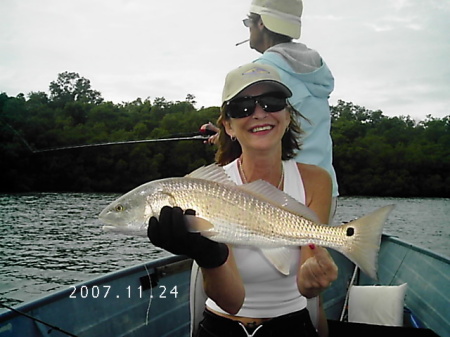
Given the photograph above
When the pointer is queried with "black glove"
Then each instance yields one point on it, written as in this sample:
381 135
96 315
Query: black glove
170 233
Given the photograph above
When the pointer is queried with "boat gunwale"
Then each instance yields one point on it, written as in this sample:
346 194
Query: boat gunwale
426 251
163 267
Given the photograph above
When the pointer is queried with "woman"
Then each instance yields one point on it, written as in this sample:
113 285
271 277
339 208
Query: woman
273 25
258 139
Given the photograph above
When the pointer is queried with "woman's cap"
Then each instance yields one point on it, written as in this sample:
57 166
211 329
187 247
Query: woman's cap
241 78
280 16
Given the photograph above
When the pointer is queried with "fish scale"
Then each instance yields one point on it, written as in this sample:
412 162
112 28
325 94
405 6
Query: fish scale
255 214
268 224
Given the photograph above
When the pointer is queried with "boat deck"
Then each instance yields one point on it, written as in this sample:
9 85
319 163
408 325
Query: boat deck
153 299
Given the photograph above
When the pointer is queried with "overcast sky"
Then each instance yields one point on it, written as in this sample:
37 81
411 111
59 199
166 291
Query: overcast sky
392 55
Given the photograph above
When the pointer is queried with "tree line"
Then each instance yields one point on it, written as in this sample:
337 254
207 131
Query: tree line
373 154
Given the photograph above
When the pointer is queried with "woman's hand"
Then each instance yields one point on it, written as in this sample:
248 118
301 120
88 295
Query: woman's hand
170 232
317 271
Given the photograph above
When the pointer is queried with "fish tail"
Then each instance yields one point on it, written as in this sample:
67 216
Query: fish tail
364 235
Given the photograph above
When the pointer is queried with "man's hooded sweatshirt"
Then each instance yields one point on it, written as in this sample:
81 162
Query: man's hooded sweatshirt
311 82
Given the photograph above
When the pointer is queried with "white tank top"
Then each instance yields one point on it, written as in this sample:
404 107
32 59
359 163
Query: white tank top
268 293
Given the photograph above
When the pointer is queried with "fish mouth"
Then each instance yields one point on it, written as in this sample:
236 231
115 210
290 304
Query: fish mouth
110 228
128 230
261 128
111 222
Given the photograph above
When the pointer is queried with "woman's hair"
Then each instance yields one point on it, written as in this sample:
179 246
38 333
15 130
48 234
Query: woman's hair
228 149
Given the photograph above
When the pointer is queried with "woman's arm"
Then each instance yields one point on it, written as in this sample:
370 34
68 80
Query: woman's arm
317 269
224 285
221 277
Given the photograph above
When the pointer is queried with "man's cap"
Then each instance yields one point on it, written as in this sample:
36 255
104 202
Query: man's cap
280 16
241 78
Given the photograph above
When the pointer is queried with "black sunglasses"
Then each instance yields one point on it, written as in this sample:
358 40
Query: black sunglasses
245 106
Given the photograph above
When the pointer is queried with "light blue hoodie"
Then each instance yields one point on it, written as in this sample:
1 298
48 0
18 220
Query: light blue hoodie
311 82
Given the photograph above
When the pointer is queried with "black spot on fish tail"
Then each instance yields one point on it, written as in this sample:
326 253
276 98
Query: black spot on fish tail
350 231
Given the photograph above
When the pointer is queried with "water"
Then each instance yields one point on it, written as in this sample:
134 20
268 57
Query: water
53 240
422 222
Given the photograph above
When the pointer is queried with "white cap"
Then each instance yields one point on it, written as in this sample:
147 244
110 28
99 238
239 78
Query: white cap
280 16
241 78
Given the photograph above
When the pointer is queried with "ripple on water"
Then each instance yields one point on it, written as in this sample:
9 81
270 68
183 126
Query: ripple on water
52 240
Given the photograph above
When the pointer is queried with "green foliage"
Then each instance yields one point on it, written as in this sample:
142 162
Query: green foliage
75 114
70 87
378 155
373 154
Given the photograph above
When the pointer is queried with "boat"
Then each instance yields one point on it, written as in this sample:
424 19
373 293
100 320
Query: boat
155 299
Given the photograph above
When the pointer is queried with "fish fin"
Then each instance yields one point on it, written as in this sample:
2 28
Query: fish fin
212 172
280 258
366 239
196 224
273 195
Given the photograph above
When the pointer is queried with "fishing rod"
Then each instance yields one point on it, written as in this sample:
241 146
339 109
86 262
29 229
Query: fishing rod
205 131
51 326
170 139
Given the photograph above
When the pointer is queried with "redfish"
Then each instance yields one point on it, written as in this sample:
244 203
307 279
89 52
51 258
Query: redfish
254 214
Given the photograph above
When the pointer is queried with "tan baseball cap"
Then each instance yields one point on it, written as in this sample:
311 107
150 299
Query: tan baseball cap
241 78
280 16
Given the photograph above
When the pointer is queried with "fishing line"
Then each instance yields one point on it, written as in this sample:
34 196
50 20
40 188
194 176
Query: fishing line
147 315
347 295
400 265
38 320
23 140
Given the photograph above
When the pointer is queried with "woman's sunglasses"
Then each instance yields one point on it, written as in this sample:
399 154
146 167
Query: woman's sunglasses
245 106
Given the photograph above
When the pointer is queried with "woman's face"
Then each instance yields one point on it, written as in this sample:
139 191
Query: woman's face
261 131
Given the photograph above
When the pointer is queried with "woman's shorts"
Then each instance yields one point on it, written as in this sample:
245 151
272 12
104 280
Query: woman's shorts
296 324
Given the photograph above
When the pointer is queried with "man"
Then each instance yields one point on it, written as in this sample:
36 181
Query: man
273 25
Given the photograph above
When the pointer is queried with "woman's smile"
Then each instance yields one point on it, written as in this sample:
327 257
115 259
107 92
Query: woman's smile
262 129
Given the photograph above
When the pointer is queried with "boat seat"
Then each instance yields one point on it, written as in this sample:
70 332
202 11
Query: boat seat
198 299
380 305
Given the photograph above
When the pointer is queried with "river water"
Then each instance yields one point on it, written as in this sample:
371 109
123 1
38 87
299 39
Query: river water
53 240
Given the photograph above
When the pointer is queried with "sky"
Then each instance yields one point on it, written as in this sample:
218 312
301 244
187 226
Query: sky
388 55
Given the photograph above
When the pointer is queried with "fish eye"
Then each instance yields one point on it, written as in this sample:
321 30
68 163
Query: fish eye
119 208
